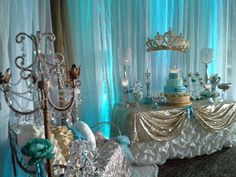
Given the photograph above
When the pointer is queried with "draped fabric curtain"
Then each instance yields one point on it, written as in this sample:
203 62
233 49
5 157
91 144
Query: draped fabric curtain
15 17
4 60
61 28
100 28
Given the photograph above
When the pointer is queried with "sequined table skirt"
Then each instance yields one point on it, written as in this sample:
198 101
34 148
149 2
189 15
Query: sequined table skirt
158 135
111 161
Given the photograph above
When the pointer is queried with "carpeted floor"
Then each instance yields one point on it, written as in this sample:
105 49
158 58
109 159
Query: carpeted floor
219 164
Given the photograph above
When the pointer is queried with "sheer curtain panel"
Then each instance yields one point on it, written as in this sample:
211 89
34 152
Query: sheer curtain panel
17 16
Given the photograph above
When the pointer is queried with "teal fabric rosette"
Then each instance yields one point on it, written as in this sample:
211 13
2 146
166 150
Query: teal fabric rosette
38 150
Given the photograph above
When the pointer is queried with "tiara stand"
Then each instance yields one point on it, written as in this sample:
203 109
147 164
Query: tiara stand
168 41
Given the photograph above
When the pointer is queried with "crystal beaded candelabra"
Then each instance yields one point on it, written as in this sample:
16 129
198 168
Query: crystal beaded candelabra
41 78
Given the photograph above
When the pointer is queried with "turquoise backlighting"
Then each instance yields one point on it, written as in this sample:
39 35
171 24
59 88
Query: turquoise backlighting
213 35
101 27
107 67
160 21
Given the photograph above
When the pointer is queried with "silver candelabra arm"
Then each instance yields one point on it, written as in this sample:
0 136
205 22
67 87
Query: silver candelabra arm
36 40
66 106
28 112
5 88
20 60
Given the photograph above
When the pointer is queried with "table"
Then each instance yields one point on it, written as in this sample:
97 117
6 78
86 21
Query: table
171 132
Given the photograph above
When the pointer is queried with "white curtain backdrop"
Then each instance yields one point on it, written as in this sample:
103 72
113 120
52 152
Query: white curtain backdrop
15 17
100 28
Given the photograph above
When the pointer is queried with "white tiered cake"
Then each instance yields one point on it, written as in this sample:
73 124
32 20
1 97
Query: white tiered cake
174 91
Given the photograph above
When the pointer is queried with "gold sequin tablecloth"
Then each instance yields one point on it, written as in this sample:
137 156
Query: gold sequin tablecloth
171 132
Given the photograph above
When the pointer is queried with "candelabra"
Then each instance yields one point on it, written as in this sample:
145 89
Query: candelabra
125 84
125 57
41 78
206 58
148 83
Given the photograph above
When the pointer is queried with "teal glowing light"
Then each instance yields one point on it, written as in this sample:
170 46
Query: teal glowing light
107 68
160 14
90 21
213 36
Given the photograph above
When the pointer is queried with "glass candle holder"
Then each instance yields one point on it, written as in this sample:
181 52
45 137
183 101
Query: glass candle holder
224 87
206 58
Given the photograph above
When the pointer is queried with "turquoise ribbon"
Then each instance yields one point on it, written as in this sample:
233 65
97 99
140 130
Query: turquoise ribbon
190 112
122 139
40 169
124 142
38 150
76 134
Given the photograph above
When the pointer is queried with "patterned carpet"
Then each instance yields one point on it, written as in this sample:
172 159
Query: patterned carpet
219 164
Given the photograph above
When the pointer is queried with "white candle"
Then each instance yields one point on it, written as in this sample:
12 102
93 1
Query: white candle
125 83
207 86
174 70
126 62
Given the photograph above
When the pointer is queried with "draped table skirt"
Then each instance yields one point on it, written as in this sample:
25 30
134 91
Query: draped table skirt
169 132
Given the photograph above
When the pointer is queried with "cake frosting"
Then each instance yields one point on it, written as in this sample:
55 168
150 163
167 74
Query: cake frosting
174 85
175 91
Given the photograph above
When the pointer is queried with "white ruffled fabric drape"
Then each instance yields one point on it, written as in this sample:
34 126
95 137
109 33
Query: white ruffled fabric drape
193 141
15 17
